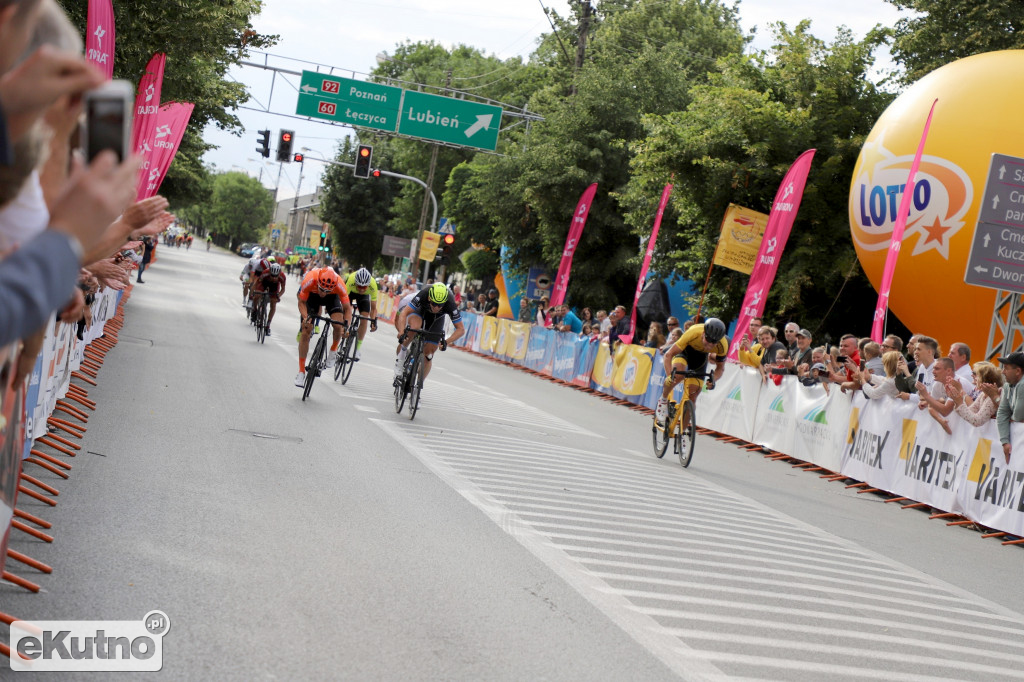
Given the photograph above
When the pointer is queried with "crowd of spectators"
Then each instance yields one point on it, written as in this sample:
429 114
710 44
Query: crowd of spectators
68 226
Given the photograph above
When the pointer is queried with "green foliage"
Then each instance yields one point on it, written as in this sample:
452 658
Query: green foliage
358 209
735 142
482 265
942 31
202 40
643 58
240 207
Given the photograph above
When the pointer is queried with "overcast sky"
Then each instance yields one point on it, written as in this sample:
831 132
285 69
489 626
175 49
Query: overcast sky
348 34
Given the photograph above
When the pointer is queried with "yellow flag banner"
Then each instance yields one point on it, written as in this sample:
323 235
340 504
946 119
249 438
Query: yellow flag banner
742 230
633 369
488 333
428 247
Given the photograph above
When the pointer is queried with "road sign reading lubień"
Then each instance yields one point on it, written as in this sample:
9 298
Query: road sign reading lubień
451 120
997 252
344 100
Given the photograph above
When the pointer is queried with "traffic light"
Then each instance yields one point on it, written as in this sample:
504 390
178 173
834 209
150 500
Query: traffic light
376 173
264 140
284 146
364 156
446 251
298 158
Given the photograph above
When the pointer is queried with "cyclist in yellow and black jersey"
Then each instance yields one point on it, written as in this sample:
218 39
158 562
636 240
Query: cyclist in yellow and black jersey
362 292
692 351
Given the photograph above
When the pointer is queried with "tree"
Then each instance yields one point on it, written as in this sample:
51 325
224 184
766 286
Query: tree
202 40
735 142
943 31
358 209
239 206
643 58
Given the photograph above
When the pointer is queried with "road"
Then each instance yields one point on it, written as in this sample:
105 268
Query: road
515 530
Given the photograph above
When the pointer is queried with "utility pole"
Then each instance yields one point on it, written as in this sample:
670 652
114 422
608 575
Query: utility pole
581 42
430 184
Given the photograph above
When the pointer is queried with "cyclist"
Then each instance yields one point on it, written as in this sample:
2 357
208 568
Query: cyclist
426 310
321 287
693 349
363 294
246 279
271 283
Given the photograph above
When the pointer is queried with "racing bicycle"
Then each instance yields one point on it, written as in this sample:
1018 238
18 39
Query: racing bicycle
346 353
258 316
315 363
410 382
680 425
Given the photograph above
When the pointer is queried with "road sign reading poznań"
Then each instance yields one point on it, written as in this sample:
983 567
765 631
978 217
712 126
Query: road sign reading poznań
997 253
406 112
344 100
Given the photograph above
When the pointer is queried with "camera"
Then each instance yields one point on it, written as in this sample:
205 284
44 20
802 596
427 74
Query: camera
108 119
780 370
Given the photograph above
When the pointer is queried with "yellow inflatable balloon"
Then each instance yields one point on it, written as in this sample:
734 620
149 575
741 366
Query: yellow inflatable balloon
978 114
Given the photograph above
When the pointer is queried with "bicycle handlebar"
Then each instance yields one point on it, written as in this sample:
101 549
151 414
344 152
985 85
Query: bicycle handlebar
325 319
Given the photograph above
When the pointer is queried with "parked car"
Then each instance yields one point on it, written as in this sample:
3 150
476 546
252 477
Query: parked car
246 249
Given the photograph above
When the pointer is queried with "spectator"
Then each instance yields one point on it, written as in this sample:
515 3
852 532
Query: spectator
586 331
911 348
979 411
790 332
934 398
960 354
655 336
779 366
620 325
673 336
671 324
481 303
604 323
873 358
877 386
851 365
762 353
147 256
586 315
490 303
803 358
925 352
457 291
567 320
891 342
817 358
525 312
754 327
1011 402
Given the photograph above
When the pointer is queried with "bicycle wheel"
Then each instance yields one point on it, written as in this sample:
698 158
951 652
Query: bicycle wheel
350 360
686 438
261 321
402 385
313 366
661 435
343 366
416 384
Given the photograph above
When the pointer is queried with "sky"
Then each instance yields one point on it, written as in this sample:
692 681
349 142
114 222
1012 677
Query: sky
349 34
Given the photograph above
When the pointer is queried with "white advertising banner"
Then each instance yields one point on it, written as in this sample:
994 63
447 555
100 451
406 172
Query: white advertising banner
991 491
731 407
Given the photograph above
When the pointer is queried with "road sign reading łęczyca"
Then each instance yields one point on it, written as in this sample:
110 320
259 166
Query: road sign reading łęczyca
344 100
451 120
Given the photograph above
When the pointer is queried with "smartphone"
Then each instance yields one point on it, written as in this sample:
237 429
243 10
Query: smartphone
842 359
108 119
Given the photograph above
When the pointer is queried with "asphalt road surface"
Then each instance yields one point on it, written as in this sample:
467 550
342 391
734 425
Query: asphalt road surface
515 530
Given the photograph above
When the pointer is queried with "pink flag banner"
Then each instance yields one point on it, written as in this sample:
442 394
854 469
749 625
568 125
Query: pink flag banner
878 326
171 121
776 234
579 220
146 108
628 338
99 36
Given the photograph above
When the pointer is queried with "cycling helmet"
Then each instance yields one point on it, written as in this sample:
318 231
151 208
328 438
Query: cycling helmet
326 279
272 259
264 264
714 330
437 293
362 277
275 269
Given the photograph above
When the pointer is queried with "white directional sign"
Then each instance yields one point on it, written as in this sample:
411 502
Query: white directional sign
997 253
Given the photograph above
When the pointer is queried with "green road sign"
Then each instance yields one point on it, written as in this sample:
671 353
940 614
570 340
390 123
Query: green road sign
407 112
451 120
305 250
344 100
